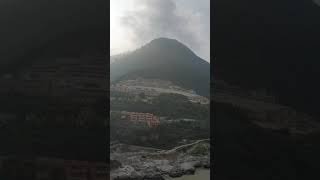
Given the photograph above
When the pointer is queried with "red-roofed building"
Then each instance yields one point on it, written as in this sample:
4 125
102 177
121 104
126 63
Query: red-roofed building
141 118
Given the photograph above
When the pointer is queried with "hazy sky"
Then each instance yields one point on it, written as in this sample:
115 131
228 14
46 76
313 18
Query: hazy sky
136 22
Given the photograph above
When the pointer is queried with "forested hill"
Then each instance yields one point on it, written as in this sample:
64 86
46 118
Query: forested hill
165 59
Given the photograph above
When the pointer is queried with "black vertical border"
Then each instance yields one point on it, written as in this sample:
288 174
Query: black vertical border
212 60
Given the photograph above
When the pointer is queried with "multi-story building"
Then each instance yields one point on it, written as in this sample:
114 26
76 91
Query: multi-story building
139 118
154 122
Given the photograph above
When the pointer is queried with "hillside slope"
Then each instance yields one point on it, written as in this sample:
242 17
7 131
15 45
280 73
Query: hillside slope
165 59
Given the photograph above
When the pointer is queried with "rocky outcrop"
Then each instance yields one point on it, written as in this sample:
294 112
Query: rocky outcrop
124 173
150 165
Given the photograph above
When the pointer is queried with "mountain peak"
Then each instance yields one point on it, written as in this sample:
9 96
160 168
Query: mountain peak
164 39
165 59
168 46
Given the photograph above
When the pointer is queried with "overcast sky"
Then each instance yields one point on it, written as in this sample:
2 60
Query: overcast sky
136 22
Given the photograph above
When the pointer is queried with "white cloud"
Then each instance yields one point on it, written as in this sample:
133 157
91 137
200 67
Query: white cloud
137 23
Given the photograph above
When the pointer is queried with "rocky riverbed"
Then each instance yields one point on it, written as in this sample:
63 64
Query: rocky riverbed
135 163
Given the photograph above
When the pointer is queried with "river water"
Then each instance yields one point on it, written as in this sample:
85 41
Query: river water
200 174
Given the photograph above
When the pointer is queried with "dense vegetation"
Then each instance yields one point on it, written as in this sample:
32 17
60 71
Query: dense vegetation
165 136
172 106
169 105
177 106
200 149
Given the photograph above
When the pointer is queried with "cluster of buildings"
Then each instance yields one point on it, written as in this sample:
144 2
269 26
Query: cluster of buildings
152 84
134 90
151 89
146 82
141 119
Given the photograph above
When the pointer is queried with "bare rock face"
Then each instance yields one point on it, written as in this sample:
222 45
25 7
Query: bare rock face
175 172
142 165
165 168
188 167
